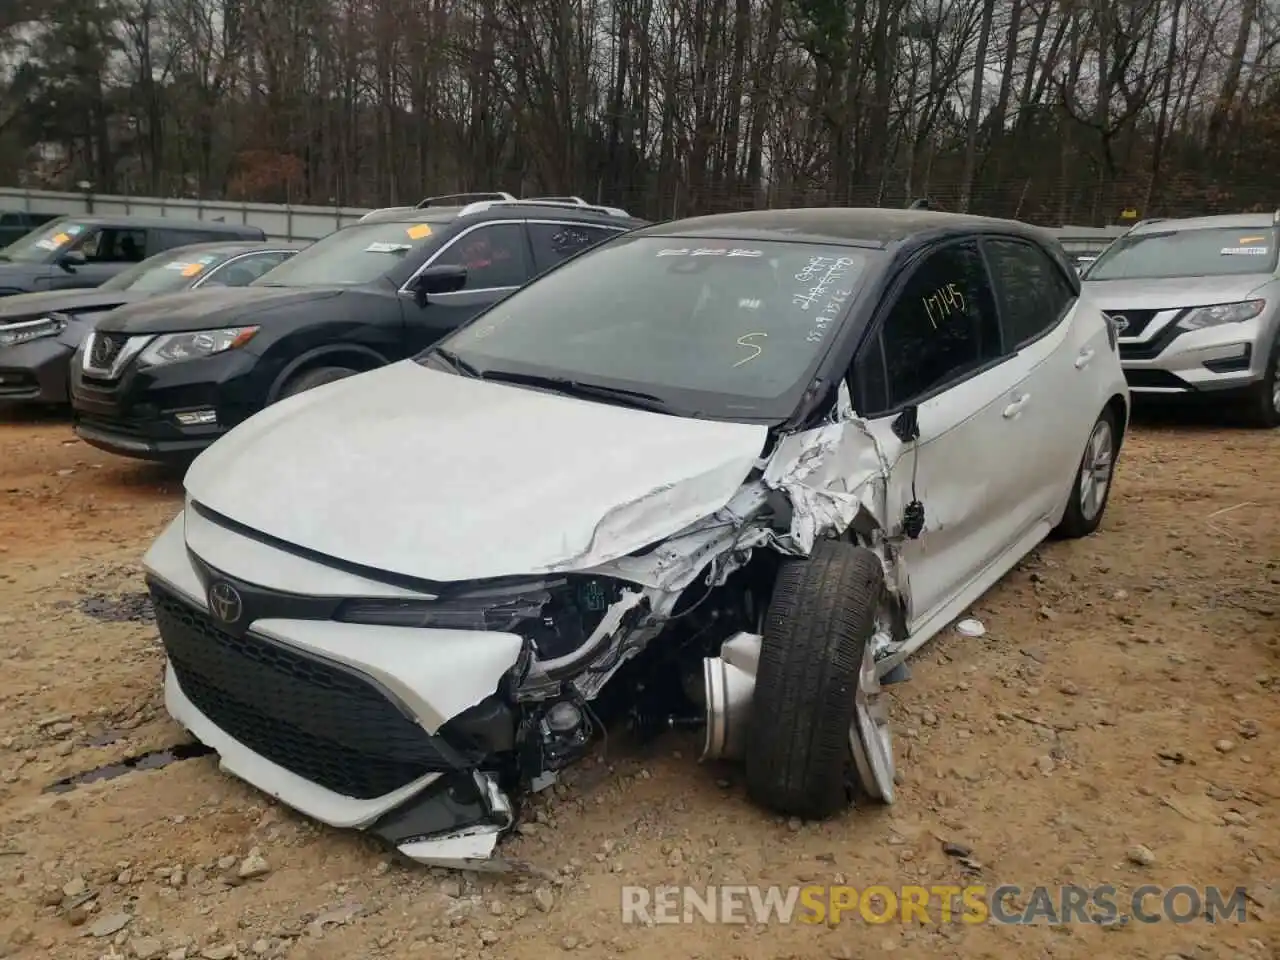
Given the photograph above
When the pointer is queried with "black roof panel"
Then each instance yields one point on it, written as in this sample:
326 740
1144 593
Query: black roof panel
879 226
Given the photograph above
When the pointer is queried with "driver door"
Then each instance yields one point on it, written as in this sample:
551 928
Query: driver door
938 346
498 262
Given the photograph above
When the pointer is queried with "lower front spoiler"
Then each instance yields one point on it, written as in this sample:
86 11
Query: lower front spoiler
450 820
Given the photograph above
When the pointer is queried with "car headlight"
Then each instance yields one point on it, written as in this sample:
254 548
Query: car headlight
172 347
27 330
557 615
1202 317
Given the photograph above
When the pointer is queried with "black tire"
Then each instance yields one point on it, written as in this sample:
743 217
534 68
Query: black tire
820 619
315 378
1262 409
1075 523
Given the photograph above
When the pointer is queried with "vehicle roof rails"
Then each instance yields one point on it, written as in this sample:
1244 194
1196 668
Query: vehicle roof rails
456 199
576 201
577 204
921 204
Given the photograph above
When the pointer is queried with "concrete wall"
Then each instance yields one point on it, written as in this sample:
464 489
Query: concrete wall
281 222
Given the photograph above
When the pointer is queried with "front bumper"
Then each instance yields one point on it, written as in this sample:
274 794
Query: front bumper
1165 359
137 415
35 372
341 722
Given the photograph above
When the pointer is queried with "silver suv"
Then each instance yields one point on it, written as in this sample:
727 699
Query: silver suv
1195 305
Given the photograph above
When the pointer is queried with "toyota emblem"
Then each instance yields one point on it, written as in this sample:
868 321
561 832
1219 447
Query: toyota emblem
225 602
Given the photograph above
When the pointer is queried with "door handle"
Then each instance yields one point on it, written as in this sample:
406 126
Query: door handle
1086 355
1013 409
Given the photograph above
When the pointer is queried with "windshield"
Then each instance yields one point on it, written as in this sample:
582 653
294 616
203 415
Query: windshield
716 328
165 272
45 244
356 254
1207 252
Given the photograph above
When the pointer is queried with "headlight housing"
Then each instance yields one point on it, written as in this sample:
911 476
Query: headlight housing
174 347
557 615
27 330
1201 317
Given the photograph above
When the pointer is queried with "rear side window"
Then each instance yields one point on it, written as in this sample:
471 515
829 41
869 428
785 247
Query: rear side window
554 243
942 325
494 256
243 270
1033 292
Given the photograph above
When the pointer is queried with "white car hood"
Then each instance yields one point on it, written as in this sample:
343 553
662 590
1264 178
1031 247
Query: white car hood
1112 295
426 474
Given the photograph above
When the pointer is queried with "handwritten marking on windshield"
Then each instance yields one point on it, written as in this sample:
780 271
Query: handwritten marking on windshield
742 342
825 271
709 252
942 303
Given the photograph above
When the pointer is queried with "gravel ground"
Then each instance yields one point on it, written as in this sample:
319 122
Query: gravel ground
1116 725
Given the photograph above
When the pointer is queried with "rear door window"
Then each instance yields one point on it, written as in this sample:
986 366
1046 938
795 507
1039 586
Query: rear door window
243 270
554 243
1034 294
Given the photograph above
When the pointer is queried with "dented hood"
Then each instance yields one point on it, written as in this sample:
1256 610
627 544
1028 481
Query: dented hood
427 474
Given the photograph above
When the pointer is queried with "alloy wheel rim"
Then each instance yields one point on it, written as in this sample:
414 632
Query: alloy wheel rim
870 738
1095 471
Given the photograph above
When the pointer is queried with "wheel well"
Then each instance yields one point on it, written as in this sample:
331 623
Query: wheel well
1120 408
357 360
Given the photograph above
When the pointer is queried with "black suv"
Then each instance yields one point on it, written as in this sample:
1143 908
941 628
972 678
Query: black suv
163 379
86 251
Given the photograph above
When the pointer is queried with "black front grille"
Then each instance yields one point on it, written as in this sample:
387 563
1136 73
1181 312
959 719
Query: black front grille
1135 320
1155 378
106 347
316 719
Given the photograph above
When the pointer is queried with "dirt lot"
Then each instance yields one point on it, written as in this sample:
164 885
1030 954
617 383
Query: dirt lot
1126 694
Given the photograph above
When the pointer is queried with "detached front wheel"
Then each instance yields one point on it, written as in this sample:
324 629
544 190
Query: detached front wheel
819 725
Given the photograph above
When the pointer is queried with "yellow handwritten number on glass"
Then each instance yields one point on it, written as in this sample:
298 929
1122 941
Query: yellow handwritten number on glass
744 341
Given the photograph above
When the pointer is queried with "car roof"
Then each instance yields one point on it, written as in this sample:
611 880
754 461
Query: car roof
1253 221
163 223
524 210
857 226
231 247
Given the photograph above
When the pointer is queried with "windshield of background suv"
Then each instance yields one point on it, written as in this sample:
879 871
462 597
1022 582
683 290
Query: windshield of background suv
722 328
45 244
166 272
1206 252
352 255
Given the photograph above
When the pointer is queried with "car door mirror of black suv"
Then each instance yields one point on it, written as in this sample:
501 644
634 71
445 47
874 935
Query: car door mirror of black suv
438 279
72 259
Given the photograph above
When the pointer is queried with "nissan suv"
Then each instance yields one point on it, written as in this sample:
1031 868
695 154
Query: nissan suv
162 380
1195 305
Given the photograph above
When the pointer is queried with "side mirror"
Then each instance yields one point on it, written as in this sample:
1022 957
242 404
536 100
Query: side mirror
906 425
441 279
72 259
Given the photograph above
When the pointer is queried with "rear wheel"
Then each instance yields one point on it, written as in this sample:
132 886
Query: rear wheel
315 378
819 724
1092 487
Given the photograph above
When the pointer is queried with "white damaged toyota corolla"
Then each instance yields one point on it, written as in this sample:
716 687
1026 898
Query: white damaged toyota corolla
727 473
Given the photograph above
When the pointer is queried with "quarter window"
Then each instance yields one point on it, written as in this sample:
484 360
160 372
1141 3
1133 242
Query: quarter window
1033 292
494 256
554 243
942 326
242 271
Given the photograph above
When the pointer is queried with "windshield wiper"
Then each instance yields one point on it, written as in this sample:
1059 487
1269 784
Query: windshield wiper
587 391
458 364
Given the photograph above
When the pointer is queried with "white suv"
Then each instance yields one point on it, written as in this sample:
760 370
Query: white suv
727 472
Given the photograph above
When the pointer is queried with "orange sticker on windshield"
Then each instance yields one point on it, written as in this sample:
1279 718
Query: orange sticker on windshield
419 231
61 238
1245 241
191 269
